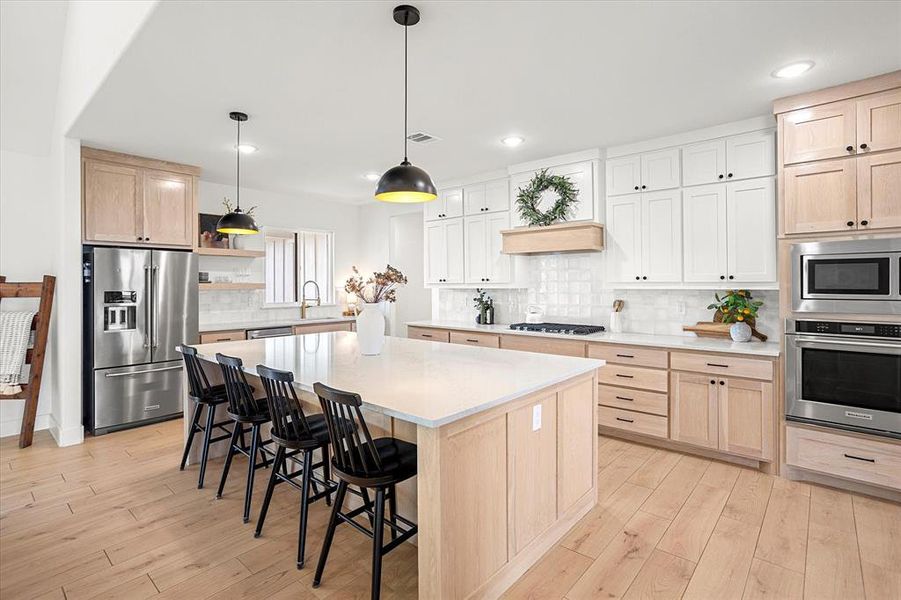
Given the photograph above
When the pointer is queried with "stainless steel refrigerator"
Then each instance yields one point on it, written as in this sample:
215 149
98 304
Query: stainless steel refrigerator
138 306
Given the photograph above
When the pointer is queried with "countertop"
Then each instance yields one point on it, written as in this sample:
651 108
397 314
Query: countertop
427 383
672 342
227 325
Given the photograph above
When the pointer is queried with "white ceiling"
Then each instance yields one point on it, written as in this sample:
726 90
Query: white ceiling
322 81
31 42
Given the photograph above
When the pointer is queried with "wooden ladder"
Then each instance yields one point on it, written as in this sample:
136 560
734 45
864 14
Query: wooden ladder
35 355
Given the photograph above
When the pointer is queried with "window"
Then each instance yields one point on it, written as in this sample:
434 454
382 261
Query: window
293 257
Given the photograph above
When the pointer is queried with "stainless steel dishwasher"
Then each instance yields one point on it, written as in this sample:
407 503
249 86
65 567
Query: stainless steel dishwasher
268 332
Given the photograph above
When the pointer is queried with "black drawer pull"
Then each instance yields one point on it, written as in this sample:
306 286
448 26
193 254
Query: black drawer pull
223 339
624 398
869 460
426 334
625 420
625 376
717 365
626 355
472 340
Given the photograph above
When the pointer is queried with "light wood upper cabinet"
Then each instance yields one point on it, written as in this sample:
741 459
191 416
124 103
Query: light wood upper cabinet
745 417
660 170
751 230
879 190
113 205
820 196
624 175
879 122
704 163
751 155
704 233
693 409
819 132
168 208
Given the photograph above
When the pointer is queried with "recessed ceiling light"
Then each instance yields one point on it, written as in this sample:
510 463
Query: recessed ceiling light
512 141
246 148
793 70
372 176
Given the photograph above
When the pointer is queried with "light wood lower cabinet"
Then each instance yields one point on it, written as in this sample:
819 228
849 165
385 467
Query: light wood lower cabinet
639 400
693 409
543 345
469 338
630 420
428 334
323 327
211 337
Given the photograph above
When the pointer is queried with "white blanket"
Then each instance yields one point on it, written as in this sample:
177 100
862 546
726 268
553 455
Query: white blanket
15 334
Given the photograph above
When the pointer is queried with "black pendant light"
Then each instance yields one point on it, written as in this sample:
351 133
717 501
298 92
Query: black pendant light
237 221
405 183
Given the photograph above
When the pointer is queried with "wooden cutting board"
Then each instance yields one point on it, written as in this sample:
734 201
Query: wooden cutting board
719 330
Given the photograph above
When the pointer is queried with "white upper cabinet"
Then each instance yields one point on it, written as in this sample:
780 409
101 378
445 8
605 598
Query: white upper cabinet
499 268
751 155
661 232
444 244
448 205
475 250
483 260
704 233
660 170
624 175
624 238
751 235
704 163
493 196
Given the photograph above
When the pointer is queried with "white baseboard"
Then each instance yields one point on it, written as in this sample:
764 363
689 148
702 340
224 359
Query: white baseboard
66 437
13 427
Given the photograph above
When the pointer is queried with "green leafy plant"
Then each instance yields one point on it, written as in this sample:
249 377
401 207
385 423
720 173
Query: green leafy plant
527 199
482 300
736 306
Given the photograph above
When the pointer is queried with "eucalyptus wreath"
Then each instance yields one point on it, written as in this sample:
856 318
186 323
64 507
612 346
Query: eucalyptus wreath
528 198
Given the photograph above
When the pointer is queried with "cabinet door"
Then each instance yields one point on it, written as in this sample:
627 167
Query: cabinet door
879 122
704 233
113 210
818 132
624 175
624 238
476 252
704 163
497 196
436 245
168 208
746 417
453 203
660 170
474 199
821 196
751 230
433 210
751 155
661 236
498 264
879 190
454 251
693 409
582 177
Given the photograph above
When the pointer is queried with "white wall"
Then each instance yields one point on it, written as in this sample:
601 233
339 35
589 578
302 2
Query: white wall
27 252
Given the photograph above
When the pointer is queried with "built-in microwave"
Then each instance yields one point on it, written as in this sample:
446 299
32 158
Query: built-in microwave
855 276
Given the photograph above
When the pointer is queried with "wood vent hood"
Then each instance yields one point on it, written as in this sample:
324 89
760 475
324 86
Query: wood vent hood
577 236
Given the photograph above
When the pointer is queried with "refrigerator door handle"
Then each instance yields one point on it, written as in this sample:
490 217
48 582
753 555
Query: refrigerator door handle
142 372
147 308
156 305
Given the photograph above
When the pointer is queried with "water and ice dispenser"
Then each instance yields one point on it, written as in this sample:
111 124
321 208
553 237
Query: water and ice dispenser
120 311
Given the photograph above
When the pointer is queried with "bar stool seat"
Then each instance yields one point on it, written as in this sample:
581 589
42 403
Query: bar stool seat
397 458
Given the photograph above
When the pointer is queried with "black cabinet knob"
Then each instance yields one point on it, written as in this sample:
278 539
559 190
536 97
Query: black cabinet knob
731 276
864 222
644 187
720 175
863 146
849 148
636 187
722 383
712 382
637 278
644 277
146 239
140 238
729 175
722 276
850 223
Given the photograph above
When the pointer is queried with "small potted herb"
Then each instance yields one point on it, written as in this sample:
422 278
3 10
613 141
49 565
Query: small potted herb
740 309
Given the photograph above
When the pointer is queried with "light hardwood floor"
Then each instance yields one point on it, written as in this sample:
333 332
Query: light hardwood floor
114 518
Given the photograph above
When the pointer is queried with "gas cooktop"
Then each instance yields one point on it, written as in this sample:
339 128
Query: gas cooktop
557 328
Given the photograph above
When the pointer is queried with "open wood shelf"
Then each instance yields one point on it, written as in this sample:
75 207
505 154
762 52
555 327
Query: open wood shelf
230 252
232 286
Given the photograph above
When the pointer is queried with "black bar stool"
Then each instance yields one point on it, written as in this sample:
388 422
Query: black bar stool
203 395
379 464
294 433
249 414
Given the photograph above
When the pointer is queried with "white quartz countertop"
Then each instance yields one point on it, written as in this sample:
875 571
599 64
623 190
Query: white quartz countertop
207 326
427 383
672 342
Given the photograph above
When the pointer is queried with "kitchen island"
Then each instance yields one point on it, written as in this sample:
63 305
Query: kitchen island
507 443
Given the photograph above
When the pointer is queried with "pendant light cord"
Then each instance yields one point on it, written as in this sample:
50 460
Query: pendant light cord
405 92
238 169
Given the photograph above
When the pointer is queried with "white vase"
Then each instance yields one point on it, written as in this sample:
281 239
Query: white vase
371 330
740 332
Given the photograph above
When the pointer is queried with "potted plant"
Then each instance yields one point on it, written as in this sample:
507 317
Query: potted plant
740 309
482 302
373 293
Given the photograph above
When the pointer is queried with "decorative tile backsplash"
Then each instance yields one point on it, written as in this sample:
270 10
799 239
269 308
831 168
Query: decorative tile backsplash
570 288
246 307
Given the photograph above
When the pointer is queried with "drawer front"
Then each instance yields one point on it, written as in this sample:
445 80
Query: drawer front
625 355
845 456
323 327
722 365
634 377
211 337
469 338
632 421
425 333
543 345
640 400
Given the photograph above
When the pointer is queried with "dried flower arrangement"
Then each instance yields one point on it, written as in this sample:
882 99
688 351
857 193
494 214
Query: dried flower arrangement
381 287
228 207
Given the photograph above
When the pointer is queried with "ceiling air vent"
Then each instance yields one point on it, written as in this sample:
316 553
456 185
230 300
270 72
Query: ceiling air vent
421 137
